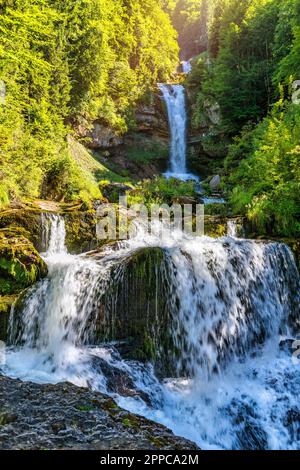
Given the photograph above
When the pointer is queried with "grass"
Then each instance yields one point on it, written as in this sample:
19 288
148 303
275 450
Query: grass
91 166
145 150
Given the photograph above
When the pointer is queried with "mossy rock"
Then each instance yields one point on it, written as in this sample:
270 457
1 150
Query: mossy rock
80 231
24 219
215 226
136 312
112 191
20 264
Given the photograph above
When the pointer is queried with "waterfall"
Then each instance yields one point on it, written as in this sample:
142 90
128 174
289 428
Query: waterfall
232 295
53 234
56 314
174 97
186 66
232 230
235 308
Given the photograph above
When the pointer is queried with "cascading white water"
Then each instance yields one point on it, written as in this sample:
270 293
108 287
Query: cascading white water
174 97
186 66
232 294
234 300
232 230
55 314
53 234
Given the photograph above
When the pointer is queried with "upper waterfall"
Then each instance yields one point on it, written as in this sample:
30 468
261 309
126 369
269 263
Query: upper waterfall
186 66
174 97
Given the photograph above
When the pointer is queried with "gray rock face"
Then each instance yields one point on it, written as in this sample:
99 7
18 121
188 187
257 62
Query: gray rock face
213 112
215 183
152 119
102 137
67 417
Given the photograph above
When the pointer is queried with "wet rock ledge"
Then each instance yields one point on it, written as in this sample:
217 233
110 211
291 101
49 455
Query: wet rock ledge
64 416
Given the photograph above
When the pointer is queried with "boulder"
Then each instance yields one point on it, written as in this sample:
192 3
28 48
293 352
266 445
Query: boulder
80 230
136 311
24 219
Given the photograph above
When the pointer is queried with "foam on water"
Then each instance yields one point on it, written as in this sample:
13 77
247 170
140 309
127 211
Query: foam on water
235 387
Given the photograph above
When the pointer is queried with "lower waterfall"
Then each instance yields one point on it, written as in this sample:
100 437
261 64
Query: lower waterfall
235 307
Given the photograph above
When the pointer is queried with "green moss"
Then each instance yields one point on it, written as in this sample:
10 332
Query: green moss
80 230
85 407
149 347
215 226
145 150
109 405
90 162
158 442
20 264
26 219
131 421
136 311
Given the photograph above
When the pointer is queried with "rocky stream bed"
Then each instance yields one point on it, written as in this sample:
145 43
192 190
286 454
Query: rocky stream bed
64 416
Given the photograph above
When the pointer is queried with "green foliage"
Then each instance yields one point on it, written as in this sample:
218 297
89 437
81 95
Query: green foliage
144 150
287 43
266 182
190 18
254 57
64 62
241 77
161 190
